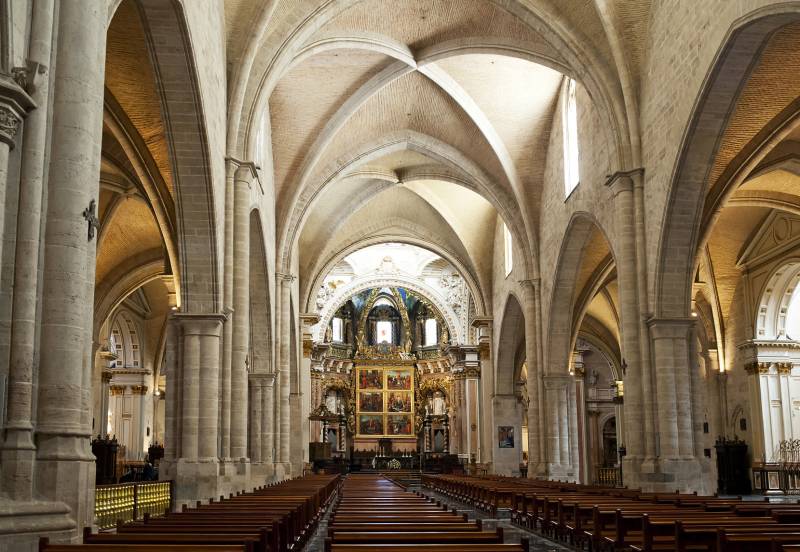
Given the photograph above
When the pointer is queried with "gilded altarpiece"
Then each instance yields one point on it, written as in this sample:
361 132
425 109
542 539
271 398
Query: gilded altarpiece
385 401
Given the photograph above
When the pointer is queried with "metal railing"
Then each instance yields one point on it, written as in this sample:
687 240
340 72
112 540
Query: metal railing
130 501
609 477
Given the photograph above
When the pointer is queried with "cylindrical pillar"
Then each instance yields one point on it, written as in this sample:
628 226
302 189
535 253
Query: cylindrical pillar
284 336
190 392
209 329
532 384
18 449
227 297
268 419
241 310
172 412
622 189
255 402
65 465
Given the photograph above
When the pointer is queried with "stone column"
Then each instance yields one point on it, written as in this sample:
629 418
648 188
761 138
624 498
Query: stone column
284 337
621 186
559 432
531 358
173 408
18 452
197 468
671 350
14 105
268 419
256 404
241 309
65 465
227 341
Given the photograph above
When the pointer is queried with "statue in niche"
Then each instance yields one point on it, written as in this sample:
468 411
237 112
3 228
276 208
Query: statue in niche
438 404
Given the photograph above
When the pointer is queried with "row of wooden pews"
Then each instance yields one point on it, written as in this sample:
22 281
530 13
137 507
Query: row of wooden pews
601 518
275 518
372 513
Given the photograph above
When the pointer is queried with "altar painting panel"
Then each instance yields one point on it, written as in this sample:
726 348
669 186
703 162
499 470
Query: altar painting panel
385 401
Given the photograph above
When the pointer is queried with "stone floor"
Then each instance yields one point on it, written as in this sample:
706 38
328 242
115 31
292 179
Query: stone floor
511 532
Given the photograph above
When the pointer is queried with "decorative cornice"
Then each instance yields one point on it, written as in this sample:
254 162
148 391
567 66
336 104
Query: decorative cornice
768 344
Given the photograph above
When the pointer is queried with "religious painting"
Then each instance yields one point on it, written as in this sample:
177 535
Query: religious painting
370 379
399 424
398 379
399 401
505 436
370 401
369 424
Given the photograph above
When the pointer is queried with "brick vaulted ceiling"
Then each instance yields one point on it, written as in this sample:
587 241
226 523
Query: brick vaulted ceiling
338 80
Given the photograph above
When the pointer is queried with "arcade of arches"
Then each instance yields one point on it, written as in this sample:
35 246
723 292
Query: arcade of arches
246 238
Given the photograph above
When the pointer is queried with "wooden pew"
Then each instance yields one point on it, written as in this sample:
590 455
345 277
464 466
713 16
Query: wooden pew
45 546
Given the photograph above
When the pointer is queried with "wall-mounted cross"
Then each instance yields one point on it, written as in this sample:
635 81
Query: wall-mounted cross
90 217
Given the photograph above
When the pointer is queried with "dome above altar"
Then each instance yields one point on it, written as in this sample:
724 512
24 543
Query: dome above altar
398 265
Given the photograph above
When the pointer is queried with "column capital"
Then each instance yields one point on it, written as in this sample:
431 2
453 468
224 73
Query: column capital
263 377
309 318
623 181
243 166
530 286
14 106
556 381
200 323
670 328
285 277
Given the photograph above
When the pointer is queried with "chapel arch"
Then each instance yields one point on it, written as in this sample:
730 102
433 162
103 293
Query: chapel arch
718 152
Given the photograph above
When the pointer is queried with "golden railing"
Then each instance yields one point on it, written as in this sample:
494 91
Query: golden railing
130 501
609 477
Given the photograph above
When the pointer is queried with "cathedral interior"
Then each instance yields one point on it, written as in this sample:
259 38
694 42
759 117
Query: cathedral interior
253 245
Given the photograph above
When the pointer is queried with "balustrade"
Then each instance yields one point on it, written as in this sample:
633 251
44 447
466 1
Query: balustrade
130 501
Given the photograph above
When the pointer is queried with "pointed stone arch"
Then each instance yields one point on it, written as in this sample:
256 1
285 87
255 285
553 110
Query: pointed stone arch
686 209
564 308
173 58
261 351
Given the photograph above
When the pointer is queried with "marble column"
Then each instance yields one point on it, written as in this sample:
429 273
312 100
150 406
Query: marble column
268 419
531 344
65 464
284 337
241 309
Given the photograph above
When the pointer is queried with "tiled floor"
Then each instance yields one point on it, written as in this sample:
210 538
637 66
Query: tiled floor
512 533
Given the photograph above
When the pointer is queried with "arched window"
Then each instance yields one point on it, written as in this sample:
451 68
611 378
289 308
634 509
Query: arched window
569 120
338 329
124 342
508 247
431 332
116 344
